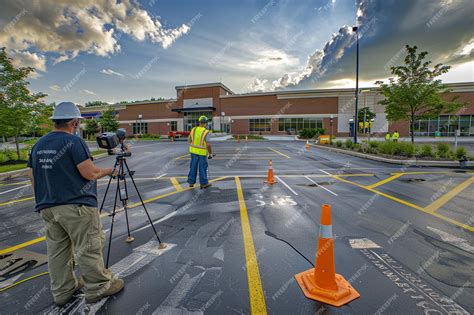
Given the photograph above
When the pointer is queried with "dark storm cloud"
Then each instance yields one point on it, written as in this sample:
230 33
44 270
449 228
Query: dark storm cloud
443 28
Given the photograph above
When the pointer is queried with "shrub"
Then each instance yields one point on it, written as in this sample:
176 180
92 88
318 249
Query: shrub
405 149
387 147
374 144
426 150
349 144
339 143
460 153
443 149
357 147
371 150
3 157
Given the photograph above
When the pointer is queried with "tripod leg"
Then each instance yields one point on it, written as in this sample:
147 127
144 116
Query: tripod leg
112 224
108 186
125 203
162 245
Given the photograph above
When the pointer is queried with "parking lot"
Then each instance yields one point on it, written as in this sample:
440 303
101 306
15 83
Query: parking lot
403 235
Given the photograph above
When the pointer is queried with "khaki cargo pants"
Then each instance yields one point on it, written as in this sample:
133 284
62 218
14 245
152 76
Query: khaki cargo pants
74 235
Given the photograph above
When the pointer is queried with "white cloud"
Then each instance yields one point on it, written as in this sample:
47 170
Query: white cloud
88 92
55 87
258 85
69 28
28 59
270 59
111 72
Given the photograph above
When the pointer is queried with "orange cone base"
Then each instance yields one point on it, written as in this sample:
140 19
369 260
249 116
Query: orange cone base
271 182
344 293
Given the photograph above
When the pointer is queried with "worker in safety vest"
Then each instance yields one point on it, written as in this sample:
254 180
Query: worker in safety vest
387 136
200 150
395 136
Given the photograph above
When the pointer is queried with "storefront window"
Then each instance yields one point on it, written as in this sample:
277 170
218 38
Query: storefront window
140 128
191 119
296 124
446 125
173 125
259 125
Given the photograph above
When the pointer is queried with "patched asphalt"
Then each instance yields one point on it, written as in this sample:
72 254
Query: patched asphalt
403 235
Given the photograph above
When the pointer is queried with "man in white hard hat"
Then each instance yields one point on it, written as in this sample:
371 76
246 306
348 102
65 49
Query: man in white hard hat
65 186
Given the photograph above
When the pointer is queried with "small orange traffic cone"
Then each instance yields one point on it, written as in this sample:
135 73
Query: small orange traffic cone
270 180
322 283
238 138
307 145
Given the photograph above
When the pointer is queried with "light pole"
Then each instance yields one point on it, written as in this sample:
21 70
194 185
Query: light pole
356 123
331 119
140 123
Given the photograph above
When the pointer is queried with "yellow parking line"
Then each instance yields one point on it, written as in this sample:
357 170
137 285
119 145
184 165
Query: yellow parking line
13 248
257 298
176 184
442 217
441 201
15 201
386 180
39 239
182 156
282 154
422 173
172 193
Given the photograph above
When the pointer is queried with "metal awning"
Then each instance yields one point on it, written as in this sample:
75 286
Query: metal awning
194 109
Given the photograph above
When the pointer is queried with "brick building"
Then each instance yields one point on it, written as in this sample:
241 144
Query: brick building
279 112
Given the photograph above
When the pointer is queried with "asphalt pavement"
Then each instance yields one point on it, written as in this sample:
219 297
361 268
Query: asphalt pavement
403 235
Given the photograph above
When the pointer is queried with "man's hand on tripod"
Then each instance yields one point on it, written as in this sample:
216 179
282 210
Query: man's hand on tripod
114 173
210 156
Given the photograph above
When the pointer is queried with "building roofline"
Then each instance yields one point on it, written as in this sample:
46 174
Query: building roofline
147 102
462 86
211 84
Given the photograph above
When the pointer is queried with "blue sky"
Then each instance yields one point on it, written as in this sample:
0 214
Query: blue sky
127 50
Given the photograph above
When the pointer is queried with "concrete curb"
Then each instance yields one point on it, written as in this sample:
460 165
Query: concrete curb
414 162
24 171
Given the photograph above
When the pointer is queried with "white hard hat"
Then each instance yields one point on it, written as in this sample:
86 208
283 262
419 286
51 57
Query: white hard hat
66 110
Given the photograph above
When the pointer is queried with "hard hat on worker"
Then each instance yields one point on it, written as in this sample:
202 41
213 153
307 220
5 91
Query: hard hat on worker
66 110
203 119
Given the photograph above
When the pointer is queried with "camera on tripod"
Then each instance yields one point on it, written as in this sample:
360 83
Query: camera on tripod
110 140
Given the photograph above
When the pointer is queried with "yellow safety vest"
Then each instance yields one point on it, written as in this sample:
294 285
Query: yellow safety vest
395 136
198 143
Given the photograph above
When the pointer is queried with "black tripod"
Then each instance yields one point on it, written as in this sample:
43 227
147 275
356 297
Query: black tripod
123 171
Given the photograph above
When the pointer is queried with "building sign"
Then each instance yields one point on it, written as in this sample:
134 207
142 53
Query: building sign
197 102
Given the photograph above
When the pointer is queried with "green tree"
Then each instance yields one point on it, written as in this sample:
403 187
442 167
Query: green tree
92 127
96 103
415 93
18 104
108 120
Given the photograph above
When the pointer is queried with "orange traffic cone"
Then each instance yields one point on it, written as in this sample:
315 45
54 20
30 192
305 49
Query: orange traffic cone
307 145
238 138
270 180
322 283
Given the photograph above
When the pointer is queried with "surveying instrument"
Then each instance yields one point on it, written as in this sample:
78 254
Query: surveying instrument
110 141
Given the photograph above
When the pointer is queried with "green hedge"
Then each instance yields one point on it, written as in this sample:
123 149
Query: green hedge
309 133
407 149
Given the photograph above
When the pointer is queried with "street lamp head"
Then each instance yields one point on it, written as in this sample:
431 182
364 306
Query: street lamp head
355 28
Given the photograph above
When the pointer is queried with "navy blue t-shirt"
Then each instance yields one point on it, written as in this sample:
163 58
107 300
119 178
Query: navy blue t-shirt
56 178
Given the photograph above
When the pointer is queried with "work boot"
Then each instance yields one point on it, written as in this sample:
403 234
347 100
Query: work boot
206 186
79 285
116 286
191 185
